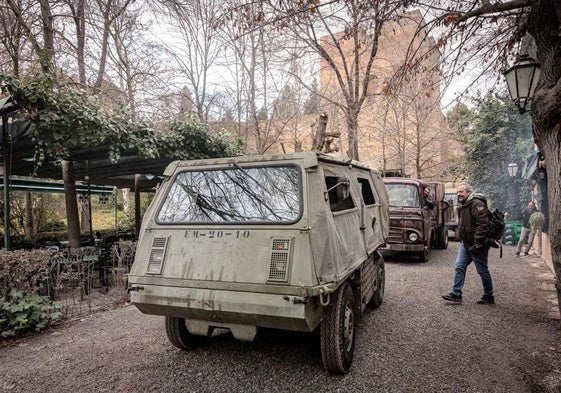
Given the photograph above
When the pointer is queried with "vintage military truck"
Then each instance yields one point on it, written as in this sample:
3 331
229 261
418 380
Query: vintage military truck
282 241
415 226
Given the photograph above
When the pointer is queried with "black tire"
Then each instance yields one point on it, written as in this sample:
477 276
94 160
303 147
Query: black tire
179 336
443 237
434 240
424 255
378 297
337 334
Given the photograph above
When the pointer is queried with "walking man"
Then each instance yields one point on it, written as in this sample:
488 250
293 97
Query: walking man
525 232
473 229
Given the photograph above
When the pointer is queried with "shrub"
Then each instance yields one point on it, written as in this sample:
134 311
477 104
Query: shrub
21 312
24 270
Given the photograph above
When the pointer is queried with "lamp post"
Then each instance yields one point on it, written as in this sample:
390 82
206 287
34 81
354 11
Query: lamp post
512 198
522 79
512 169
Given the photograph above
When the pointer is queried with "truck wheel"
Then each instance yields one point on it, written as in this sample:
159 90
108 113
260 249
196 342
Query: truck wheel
179 336
443 237
434 239
378 296
424 255
338 331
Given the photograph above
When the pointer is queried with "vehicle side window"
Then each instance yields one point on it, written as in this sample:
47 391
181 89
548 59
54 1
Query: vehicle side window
367 194
339 194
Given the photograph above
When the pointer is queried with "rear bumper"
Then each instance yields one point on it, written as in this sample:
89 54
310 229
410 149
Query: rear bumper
404 247
222 308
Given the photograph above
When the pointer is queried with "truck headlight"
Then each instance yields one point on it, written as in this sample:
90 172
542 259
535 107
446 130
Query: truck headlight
413 237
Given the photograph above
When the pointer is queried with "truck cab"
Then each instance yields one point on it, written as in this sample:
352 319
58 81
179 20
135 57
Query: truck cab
283 241
416 225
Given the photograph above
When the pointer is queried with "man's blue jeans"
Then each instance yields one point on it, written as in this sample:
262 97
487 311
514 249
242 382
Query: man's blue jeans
524 234
479 258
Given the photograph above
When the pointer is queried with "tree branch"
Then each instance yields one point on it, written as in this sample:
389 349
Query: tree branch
487 8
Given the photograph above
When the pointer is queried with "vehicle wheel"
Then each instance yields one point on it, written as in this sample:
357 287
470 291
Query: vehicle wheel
338 331
378 296
434 240
424 255
443 237
179 336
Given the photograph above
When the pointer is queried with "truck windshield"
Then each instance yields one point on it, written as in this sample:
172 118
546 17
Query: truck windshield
251 195
403 195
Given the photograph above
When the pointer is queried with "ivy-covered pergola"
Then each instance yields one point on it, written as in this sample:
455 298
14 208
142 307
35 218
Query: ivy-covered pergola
91 166
69 136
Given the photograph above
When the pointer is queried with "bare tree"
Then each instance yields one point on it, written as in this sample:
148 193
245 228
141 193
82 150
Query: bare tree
345 36
253 74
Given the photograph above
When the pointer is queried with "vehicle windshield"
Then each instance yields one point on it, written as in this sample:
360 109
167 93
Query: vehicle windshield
250 195
403 195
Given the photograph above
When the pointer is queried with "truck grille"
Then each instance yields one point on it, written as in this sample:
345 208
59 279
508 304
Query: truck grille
396 235
157 253
281 255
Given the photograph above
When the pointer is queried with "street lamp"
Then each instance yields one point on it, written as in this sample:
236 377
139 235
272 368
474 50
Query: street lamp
522 79
512 169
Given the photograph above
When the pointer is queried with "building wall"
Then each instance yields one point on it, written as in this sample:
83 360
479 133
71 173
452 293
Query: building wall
398 128
403 128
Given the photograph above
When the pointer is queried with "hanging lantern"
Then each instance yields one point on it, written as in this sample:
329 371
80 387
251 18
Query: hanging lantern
522 79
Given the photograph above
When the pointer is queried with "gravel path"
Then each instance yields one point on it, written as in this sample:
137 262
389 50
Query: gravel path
415 342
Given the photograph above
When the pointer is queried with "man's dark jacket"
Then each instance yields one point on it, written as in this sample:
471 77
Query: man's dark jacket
474 220
526 217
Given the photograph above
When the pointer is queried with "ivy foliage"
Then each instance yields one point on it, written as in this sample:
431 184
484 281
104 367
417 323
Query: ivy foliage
20 312
22 275
493 134
67 118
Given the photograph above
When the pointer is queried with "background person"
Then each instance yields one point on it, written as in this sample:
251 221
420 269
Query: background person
427 198
525 233
537 220
473 229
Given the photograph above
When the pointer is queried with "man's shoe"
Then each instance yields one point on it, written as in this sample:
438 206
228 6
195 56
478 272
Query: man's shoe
452 297
525 254
486 300
517 254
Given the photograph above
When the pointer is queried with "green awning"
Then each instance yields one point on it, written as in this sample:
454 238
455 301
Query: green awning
34 185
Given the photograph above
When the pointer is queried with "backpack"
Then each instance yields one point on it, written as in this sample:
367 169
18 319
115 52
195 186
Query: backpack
496 226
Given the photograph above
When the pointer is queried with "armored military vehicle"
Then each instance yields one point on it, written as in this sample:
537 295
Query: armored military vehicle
282 241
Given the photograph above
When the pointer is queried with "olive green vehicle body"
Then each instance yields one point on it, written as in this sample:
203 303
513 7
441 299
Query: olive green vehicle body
262 266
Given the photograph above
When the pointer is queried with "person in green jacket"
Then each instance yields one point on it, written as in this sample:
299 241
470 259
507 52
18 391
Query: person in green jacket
537 220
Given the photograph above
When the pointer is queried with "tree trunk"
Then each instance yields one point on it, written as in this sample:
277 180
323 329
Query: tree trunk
546 116
551 149
352 130
80 22
137 218
71 204
29 216
85 216
126 200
